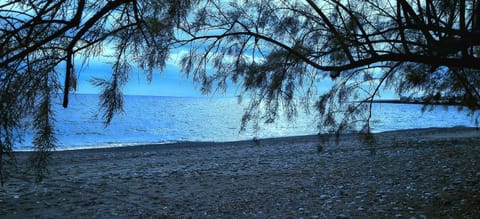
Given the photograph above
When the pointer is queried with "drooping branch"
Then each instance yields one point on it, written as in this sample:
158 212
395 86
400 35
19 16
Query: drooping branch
87 26
38 36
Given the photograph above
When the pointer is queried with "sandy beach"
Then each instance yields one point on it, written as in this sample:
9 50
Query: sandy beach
427 173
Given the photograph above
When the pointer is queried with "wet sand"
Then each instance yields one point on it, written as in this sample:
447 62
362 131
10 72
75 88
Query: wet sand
428 173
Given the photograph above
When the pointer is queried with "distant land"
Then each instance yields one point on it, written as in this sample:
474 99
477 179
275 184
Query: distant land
417 100
397 101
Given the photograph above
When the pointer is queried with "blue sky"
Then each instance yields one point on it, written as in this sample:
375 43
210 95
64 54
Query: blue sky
169 82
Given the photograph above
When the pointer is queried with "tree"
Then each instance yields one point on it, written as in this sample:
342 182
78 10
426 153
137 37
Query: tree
277 48
277 51
40 35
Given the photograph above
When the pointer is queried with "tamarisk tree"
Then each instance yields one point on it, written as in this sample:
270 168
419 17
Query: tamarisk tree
277 52
37 37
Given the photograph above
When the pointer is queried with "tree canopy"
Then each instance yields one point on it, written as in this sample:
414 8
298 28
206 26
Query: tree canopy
39 36
279 49
276 51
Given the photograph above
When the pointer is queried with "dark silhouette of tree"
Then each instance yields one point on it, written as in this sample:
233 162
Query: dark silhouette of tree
277 51
38 36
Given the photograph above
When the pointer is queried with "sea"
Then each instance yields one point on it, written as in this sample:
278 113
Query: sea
162 120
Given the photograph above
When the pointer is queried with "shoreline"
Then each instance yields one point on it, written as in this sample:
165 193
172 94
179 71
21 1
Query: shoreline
430 173
182 144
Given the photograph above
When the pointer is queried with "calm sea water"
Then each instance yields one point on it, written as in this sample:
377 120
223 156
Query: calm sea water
173 119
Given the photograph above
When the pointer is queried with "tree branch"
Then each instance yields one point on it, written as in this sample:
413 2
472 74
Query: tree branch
332 28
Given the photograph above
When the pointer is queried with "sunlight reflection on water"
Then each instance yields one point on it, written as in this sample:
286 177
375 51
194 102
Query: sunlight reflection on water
172 119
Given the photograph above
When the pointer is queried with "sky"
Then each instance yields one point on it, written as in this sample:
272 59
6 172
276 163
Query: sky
169 82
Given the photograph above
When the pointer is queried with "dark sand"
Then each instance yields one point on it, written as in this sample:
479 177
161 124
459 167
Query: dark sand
432 173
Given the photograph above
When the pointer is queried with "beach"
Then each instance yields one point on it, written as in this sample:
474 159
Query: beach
422 173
